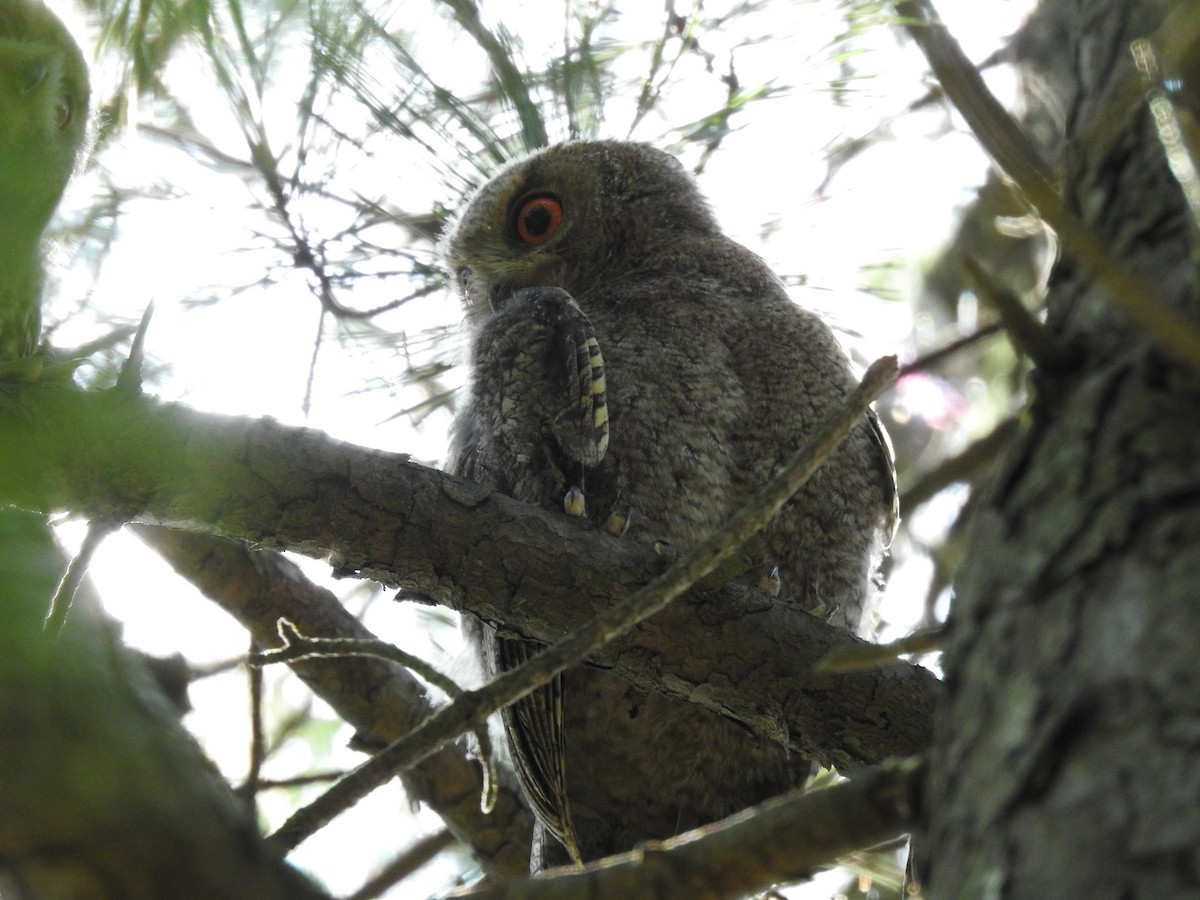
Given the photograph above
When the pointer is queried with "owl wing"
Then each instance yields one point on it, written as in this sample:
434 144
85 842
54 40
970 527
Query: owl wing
536 742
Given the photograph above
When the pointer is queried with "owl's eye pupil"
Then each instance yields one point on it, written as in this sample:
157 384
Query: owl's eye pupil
537 217
537 222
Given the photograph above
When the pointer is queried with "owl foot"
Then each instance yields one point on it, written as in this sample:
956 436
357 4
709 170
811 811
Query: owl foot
771 582
574 503
618 521
823 612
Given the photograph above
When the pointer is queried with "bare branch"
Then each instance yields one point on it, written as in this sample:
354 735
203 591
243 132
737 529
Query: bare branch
380 516
935 357
298 646
378 698
1027 333
781 840
963 467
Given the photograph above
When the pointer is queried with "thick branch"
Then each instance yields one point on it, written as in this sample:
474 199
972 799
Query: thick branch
380 699
782 840
470 711
538 572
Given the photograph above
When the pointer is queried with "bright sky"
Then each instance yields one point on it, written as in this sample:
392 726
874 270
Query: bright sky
894 203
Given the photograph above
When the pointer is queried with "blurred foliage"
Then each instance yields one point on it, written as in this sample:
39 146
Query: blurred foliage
310 151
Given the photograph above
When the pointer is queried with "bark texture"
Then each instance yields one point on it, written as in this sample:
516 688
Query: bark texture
1065 756
539 573
379 698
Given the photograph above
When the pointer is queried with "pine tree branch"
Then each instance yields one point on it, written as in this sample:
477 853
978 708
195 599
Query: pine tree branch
380 699
102 791
456 543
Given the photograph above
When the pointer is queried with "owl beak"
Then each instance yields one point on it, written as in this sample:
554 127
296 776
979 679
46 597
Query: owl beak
499 296
474 289
477 289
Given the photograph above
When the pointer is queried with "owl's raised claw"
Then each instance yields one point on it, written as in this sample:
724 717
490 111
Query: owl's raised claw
582 427
574 503
619 520
771 582
574 368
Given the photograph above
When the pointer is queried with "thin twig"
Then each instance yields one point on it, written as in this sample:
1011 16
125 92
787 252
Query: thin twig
129 382
64 595
961 467
297 647
867 656
935 357
405 864
1027 333
278 784
258 739
472 708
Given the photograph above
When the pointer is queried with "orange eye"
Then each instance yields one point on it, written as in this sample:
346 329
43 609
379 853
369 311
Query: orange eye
536 218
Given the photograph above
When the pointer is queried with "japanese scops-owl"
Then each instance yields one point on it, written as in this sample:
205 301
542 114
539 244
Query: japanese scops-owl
622 346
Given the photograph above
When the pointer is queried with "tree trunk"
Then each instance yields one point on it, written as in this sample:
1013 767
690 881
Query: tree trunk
1065 756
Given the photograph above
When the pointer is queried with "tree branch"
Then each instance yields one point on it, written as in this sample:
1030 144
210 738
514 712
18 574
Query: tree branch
781 840
380 699
102 791
735 650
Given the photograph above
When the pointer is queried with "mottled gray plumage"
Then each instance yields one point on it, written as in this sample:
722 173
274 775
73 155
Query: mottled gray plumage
713 377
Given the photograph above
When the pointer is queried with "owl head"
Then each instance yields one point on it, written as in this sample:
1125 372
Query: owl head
43 110
571 216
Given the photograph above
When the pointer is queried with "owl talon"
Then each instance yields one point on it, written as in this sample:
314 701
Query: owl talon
574 503
771 582
823 612
577 367
618 521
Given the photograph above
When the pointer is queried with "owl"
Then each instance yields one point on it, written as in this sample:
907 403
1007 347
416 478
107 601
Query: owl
43 117
632 365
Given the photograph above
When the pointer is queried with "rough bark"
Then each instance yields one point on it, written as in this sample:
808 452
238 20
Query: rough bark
379 698
378 515
1064 762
